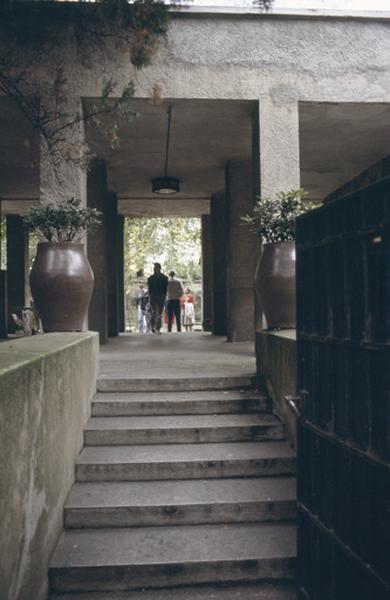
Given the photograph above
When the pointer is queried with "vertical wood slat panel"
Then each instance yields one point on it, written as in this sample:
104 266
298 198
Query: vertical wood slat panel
343 333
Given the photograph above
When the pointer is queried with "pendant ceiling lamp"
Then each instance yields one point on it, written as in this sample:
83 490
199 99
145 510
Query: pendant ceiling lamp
166 185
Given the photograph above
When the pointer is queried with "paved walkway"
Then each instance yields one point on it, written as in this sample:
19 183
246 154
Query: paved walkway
176 355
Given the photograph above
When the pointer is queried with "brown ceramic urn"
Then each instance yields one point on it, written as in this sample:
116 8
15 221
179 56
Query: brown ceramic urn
61 283
275 284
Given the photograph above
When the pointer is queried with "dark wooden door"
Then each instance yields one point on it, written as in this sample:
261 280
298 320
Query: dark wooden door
343 333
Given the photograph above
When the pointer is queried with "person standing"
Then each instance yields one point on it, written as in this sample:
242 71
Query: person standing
175 292
189 310
157 285
143 317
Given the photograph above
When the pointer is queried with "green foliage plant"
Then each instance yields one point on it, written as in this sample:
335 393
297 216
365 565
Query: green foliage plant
273 219
66 221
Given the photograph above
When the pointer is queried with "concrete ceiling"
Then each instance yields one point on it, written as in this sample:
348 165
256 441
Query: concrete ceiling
205 134
339 141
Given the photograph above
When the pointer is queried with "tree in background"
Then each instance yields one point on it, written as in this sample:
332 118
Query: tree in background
173 242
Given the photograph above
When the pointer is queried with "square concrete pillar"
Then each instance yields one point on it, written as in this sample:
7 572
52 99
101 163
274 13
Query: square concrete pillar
242 252
112 265
17 267
218 228
62 175
276 152
120 243
278 133
207 274
97 250
3 305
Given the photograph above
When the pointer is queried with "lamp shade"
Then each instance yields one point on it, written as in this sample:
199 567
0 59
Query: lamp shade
165 185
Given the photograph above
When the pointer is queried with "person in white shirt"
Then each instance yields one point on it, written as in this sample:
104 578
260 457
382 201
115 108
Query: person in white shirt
174 293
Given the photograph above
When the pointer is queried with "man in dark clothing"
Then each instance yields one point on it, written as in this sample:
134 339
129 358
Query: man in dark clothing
157 285
175 292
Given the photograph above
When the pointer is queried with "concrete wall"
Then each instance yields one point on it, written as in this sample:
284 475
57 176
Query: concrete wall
46 384
271 57
276 355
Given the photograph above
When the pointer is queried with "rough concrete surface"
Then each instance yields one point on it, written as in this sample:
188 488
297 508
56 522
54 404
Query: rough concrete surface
277 366
181 429
182 403
184 502
124 558
191 461
175 356
257 591
46 384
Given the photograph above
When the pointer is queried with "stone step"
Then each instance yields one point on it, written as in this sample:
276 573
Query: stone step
184 461
179 403
107 383
180 502
134 558
284 590
181 429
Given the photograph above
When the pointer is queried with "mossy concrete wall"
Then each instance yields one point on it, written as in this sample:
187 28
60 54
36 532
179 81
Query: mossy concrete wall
276 356
46 385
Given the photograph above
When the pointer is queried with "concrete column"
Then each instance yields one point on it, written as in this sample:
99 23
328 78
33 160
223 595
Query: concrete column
112 266
17 266
218 227
62 174
279 146
3 305
97 251
120 239
276 153
207 274
242 253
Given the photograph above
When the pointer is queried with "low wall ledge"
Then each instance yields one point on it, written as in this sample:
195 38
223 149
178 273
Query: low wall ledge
17 353
276 353
282 13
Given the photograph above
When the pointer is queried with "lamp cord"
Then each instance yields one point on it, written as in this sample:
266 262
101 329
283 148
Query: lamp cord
168 139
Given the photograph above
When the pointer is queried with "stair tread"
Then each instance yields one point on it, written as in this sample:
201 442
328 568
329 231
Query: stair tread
177 453
258 591
173 545
181 492
180 422
184 396
113 382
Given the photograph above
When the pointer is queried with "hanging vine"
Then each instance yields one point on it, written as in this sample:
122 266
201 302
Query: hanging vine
34 36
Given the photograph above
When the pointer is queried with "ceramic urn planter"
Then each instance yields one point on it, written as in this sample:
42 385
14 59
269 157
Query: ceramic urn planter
275 284
61 283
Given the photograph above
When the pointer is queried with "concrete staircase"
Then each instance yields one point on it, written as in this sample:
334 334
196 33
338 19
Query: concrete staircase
179 495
